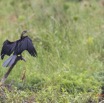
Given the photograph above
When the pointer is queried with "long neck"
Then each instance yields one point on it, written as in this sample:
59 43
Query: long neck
22 36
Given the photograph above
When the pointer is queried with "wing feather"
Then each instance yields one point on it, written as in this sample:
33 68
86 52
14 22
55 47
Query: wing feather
7 48
26 44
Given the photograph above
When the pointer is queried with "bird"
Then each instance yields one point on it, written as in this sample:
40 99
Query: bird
16 48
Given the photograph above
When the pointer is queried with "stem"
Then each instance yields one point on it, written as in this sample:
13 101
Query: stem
10 69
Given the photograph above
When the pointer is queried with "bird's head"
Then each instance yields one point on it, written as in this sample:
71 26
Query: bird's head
23 33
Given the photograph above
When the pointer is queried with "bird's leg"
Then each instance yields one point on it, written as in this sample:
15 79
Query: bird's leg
22 58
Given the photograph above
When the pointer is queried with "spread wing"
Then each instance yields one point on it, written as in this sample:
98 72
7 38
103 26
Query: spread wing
7 48
26 44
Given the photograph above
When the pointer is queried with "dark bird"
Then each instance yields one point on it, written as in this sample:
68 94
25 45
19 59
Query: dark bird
16 48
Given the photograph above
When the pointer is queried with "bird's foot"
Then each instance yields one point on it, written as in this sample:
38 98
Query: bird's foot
23 59
20 58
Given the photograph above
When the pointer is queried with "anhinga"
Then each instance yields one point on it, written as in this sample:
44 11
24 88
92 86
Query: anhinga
17 47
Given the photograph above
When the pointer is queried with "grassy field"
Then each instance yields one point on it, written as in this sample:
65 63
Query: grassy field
69 38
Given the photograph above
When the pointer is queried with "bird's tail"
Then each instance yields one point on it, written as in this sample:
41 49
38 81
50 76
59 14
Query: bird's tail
10 61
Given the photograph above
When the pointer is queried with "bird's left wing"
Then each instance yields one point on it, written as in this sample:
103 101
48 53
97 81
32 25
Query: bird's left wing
8 48
26 44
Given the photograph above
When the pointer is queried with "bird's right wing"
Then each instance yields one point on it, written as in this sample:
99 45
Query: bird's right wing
26 44
8 48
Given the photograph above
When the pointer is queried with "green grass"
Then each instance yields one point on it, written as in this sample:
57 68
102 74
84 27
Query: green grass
69 38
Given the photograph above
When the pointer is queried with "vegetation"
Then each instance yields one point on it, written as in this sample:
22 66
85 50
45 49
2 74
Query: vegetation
69 38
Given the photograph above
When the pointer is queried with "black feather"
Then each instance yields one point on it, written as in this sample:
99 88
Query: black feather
25 44
17 47
8 48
